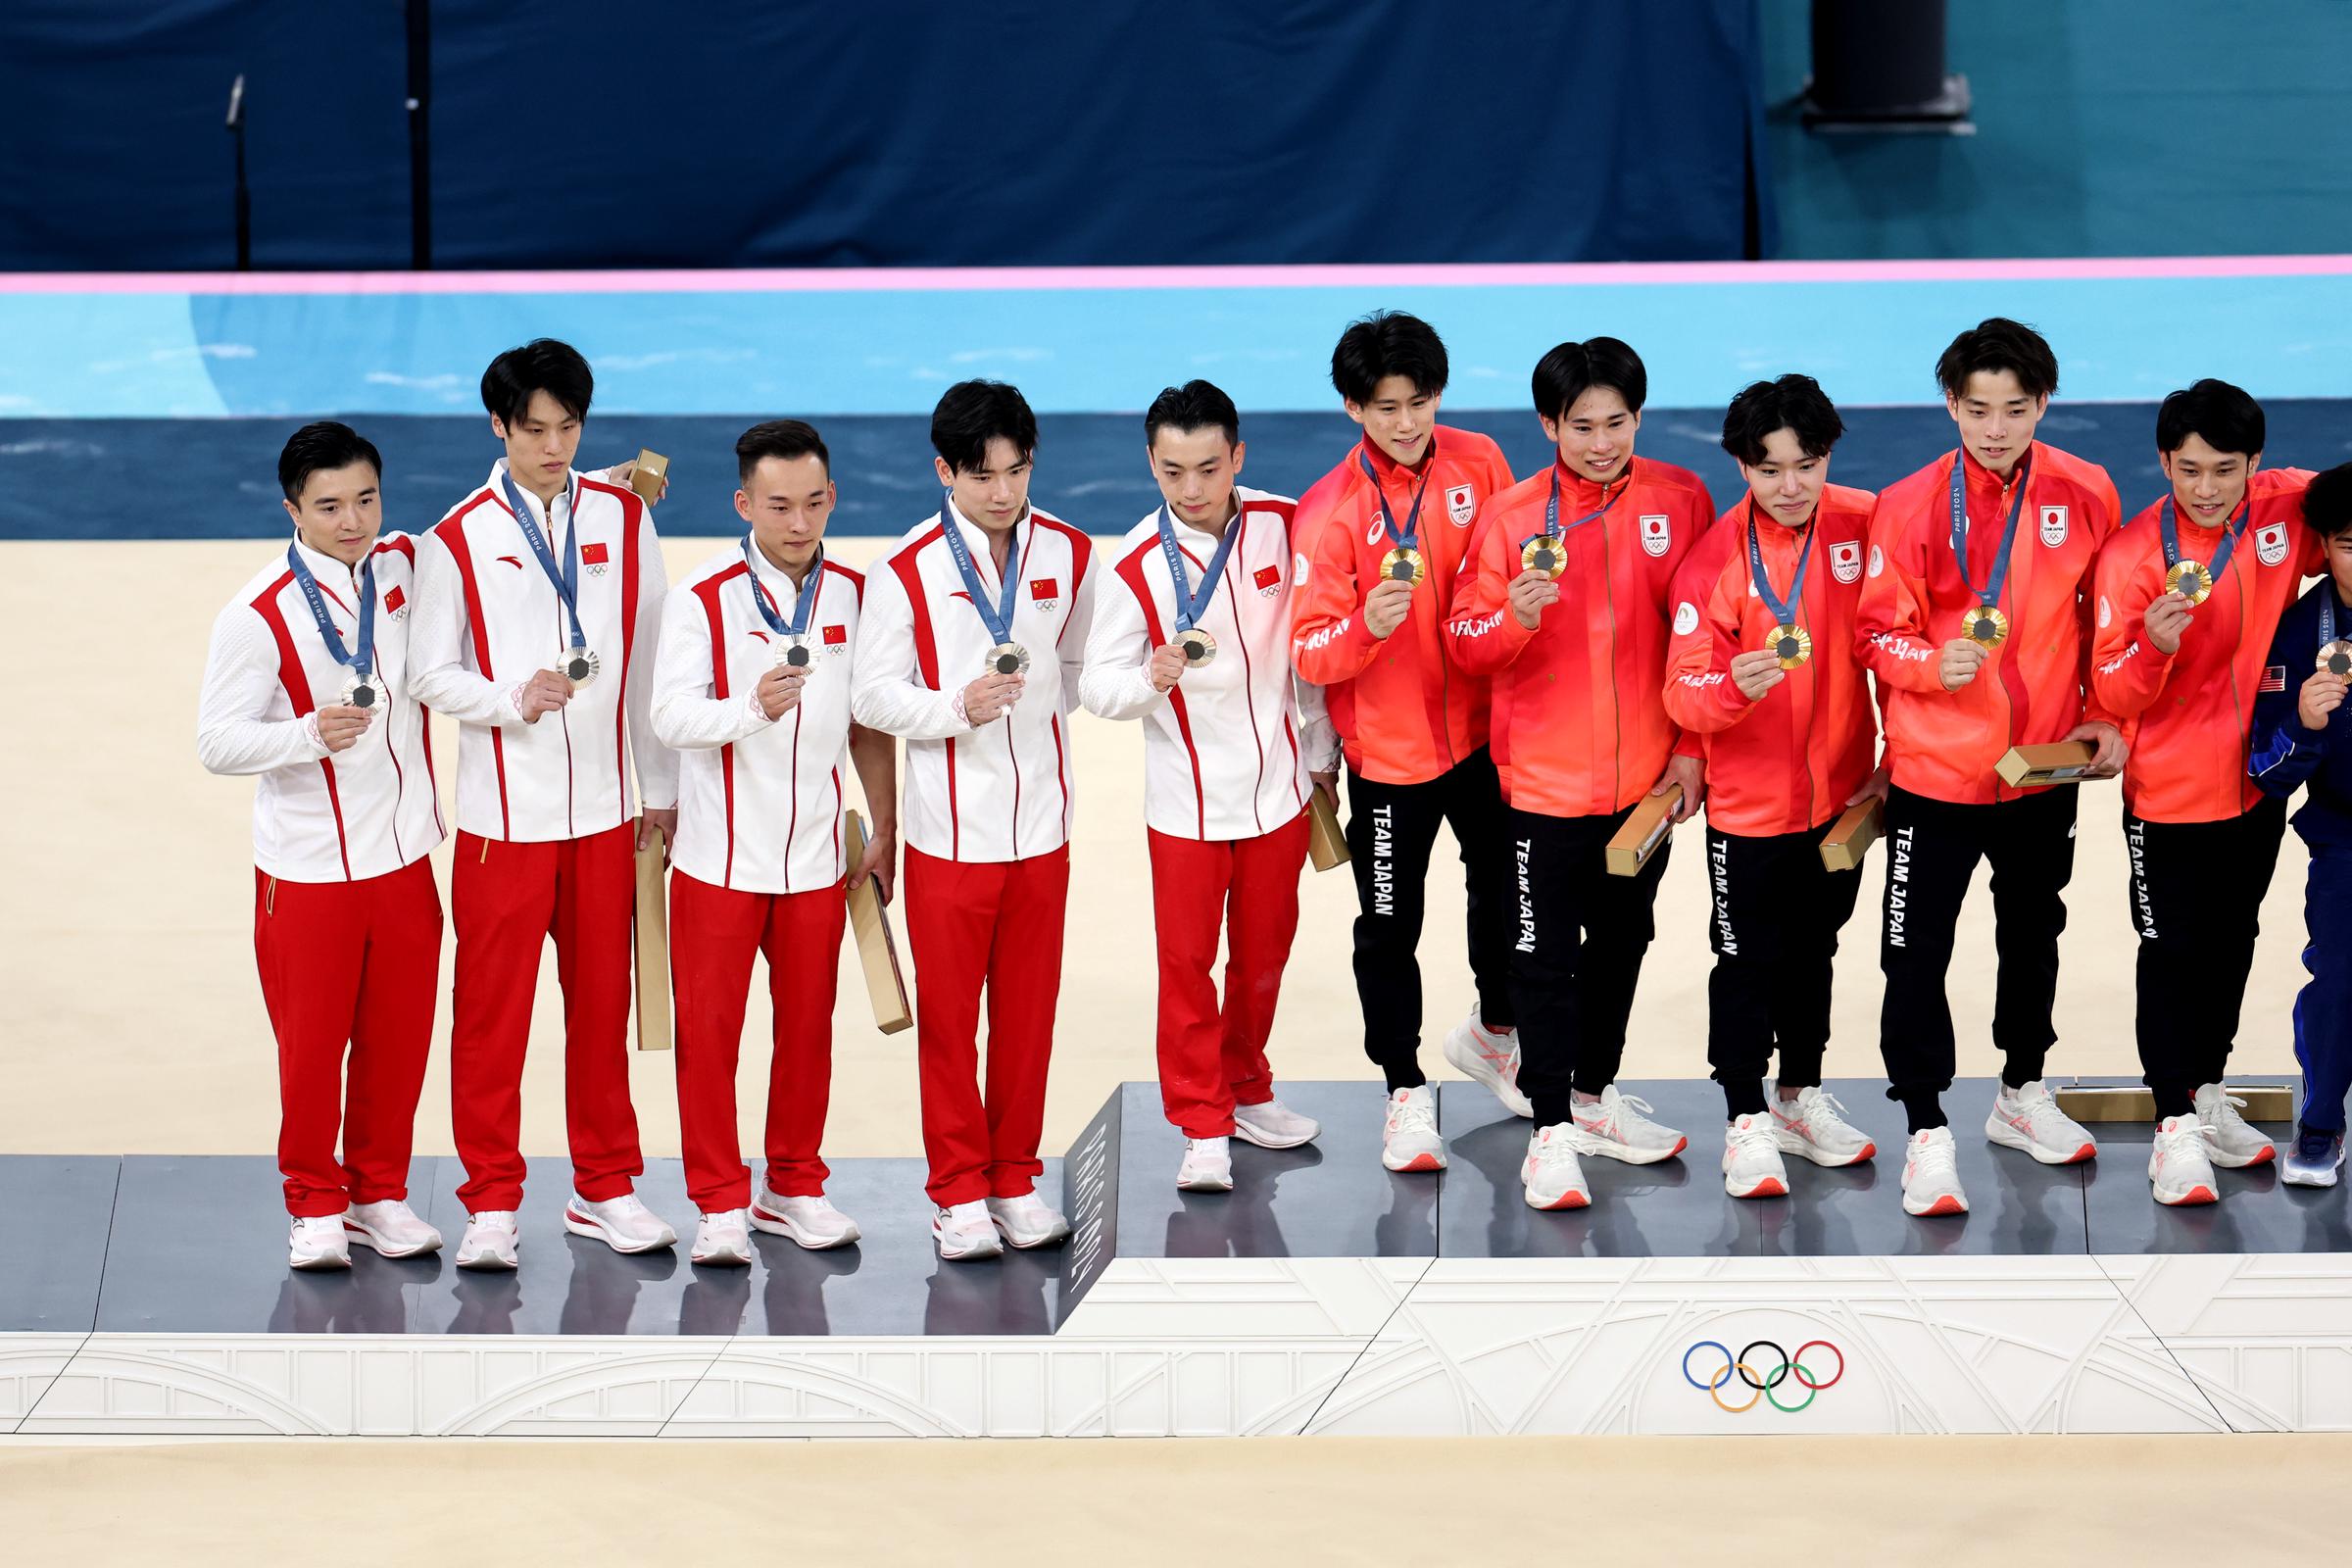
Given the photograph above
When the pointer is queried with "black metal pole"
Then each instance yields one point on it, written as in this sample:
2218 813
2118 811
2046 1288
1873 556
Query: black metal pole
244 194
1879 65
421 141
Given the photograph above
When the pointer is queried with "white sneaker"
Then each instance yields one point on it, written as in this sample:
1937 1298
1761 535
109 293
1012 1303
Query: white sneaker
1616 1125
1207 1165
623 1223
1811 1126
1551 1174
2315 1159
2029 1118
1491 1059
1409 1140
722 1239
1751 1158
964 1231
2179 1166
2234 1145
317 1243
391 1228
1931 1174
811 1222
1028 1221
1272 1124
490 1240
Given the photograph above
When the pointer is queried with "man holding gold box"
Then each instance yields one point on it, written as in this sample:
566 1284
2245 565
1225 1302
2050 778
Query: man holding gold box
1976 618
1192 636
1763 669
753 691
1565 610
2190 593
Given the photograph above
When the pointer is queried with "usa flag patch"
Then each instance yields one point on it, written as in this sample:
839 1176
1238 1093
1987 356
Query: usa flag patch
2274 678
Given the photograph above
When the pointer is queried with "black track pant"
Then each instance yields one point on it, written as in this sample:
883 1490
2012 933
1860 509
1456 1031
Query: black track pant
1773 916
1391 828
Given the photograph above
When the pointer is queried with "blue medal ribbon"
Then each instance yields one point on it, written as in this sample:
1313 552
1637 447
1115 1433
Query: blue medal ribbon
1190 601
362 661
567 580
797 628
1783 612
996 617
2220 552
1551 507
2327 615
1989 595
1409 538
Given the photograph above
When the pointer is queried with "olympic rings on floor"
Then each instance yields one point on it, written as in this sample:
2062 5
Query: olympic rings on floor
1765 1385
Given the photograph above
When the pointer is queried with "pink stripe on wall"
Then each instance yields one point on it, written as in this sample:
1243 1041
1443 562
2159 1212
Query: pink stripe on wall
826 280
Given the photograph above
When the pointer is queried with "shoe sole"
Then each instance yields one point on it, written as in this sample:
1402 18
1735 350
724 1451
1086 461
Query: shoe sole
369 1238
581 1226
487 1263
1626 1153
767 1224
2227 1161
1419 1162
1804 1149
1943 1206
319 1266
2200 1194
1769 1186
1204 1185
1479 1070
971 1254
1566 1200
2295 1179
1251 1135
1055 1238
727 1260
2008 1137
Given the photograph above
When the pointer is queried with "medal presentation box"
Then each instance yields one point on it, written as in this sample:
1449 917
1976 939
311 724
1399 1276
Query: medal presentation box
148 1295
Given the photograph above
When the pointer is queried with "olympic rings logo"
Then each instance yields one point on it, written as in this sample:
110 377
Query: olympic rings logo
1765 1387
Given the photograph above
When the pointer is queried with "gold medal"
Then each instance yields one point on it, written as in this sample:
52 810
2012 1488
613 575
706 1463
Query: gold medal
1790 644
2189 580
1544 554
2336 657
1198 647
1401 564
1986 625
579 666
1008 659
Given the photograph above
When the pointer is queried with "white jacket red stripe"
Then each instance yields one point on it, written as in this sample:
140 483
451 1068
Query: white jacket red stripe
1228 750
488 619
364 812
759 800
1001 792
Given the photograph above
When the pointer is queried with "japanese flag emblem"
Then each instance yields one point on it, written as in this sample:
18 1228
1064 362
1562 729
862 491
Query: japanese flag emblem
1657 533
1845 558
2269 543
2053 526
1461 505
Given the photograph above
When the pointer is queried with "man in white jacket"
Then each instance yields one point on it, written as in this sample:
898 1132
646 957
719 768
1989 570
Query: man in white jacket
974 633
752 690
306 687
1192 636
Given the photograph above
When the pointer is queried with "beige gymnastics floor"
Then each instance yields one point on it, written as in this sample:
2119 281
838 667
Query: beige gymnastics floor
130 1021
1809 1503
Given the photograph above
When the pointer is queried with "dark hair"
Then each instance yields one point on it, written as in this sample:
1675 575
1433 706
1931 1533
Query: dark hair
2225 416
2328 504
1193 405
542 365
317 448
1571 369
1382 344
1996 343
779 438
972 413
1796 404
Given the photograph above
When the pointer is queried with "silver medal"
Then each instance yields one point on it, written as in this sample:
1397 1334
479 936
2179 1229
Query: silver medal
362 691
1008 659
578 666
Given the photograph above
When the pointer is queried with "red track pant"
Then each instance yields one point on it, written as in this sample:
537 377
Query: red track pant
996 924
354 963
1211 1062
714 932
507 899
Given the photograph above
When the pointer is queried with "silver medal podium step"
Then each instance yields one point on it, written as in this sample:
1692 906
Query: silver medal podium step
149 1295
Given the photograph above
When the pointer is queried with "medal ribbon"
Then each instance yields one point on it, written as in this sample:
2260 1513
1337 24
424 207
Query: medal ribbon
363 662
1551 507
996 617
1190 601
568 580
2328 615
1782 614
795 629
1991 593
1410 537
2220 552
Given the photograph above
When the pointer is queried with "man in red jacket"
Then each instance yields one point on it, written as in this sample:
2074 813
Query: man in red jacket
2190 593
1763 669
1566 614
1378 541
1976 621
